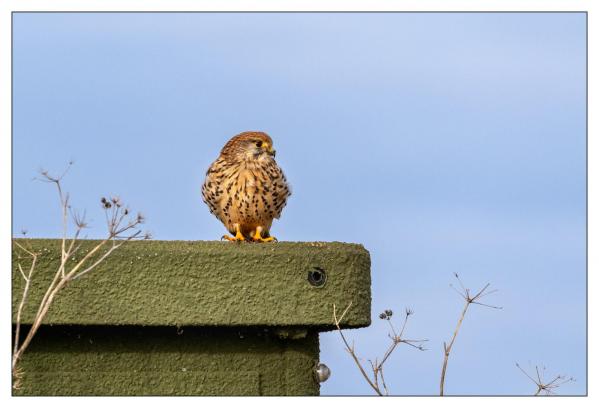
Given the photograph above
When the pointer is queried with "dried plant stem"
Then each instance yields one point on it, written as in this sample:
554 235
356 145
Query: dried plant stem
60 281
376 366
27 278
351 350
468 299
64 273
383 381
546 387
448 348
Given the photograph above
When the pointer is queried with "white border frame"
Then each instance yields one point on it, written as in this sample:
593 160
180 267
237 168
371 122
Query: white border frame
8 6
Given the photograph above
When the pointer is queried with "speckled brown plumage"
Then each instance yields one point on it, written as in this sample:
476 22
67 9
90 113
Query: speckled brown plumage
245 188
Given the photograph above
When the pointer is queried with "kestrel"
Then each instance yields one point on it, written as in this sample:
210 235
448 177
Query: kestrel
245 188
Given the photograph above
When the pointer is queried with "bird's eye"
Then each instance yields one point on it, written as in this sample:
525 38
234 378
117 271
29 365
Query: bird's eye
259 144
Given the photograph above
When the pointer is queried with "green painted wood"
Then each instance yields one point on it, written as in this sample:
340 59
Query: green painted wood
206 284
131 360
190 318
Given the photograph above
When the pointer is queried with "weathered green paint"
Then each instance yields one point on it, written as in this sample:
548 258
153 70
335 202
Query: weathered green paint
130 360
157 283
190 318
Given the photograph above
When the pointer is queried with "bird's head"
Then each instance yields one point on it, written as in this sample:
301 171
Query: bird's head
249 146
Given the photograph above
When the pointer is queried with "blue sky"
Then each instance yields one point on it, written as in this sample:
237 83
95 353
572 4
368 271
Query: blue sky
442 142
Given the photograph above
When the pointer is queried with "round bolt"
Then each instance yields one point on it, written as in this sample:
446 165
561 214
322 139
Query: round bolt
322 372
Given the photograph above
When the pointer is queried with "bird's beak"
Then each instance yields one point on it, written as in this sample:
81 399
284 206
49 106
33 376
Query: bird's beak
270 150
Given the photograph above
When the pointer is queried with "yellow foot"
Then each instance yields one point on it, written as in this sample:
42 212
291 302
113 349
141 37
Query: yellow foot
269 239
258 237
233 239
237 238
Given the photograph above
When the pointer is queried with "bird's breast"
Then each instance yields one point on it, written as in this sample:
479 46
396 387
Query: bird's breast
251 194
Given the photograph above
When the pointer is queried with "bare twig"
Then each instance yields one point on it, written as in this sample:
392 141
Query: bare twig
121 229
351 350
377 366
27 278
546 388
468 299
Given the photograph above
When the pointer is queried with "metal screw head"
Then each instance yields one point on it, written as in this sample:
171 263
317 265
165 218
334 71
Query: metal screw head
322 372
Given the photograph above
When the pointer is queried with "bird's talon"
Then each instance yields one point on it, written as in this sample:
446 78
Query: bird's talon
258 237
236 238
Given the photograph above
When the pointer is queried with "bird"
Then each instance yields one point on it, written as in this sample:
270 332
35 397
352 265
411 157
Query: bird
245 188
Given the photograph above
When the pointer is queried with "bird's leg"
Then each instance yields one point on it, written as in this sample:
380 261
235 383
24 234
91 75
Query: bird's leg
257 237
238 235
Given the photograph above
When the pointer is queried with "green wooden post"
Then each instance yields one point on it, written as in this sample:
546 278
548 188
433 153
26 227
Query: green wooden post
192 318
